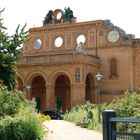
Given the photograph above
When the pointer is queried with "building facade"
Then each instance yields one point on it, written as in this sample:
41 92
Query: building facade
61 59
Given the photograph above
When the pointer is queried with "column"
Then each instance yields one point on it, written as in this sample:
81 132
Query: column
77 94
25 91
50 97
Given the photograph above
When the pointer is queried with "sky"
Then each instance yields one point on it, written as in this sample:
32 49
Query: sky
122 13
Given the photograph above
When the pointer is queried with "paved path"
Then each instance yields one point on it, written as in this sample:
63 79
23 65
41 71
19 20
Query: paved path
62 130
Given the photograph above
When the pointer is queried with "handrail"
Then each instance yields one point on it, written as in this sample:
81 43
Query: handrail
125 120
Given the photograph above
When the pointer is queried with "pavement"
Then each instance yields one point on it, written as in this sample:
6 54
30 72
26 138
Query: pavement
63 130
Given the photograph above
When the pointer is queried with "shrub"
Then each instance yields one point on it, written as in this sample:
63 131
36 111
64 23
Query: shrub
11 101
84 122
79 115
25 127
59 103
18 118
128 106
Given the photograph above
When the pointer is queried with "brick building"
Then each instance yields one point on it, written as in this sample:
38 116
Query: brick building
62 58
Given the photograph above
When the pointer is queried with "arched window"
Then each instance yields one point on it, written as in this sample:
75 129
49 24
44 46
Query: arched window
113 68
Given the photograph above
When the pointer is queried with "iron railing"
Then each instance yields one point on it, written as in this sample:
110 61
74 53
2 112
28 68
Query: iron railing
110 123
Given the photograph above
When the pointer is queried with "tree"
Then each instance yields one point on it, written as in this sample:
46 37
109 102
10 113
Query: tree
59 103
10 52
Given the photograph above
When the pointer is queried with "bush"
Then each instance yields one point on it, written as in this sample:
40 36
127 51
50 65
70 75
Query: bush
18 118
25 127
128 106
79 115
10 101
84 122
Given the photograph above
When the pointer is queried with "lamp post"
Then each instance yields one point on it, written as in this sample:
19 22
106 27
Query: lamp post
98 78
28 87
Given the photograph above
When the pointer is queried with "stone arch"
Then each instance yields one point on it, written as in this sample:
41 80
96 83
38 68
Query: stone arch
54 75
61 82
37 91
90 88
31 75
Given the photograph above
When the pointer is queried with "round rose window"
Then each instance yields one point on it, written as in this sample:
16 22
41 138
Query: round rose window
58 42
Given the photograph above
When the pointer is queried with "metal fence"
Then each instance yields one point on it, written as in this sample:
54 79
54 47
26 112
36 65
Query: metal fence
127 136
110 122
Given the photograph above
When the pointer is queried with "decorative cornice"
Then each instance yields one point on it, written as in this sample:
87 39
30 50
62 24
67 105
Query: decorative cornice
55 63
58 60
64 26
136 41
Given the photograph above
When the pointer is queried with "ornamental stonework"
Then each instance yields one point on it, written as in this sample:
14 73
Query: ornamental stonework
63 56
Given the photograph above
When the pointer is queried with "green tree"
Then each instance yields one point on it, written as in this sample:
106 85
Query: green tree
59 103
10 52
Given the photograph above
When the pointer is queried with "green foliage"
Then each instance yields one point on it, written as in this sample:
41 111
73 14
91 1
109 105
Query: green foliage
10 101
18 119
80 116
84 122
10 51
26 127
59 103
75 115
128 106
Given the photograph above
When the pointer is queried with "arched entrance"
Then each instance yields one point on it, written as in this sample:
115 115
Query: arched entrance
39 92
63 91
89 89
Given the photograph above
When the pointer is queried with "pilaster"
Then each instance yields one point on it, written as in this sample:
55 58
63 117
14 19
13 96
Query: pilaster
77 94
50 97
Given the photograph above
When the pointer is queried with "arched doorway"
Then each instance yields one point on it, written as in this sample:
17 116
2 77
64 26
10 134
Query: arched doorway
63 91
89 89
19 84
39 92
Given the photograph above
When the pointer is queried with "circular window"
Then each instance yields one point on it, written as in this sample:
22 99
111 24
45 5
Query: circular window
37 43
58 42
58 17
81 38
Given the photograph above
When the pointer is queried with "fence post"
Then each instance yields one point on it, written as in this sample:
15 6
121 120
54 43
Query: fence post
106 124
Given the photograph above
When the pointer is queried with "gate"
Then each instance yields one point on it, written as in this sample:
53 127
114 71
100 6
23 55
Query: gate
109 127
